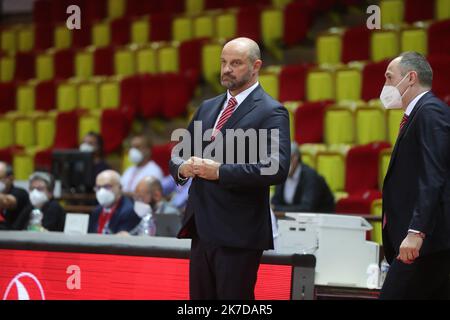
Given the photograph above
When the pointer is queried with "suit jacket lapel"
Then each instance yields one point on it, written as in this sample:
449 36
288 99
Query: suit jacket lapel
405 128
213 112
245 107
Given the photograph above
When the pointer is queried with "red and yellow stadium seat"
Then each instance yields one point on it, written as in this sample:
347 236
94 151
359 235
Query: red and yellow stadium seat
8 40
182 28
84 64
45 127
88 95
88 122
24 133
7 67
168 58
211 63
25 98
226 25
7 130
109 94
66 96
331 165
203 26
392 12
414 39
194 6
115 8
272 30
62 37
140 31
25 39
101 34
442 9
394 116
269 81
348 84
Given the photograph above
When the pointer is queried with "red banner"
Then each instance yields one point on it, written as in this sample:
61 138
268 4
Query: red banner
36 275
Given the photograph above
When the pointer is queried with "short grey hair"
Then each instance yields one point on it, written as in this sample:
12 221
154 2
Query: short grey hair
295 151
43 176
414 61
254 53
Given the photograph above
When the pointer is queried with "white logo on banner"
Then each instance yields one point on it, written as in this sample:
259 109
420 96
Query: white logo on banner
23 293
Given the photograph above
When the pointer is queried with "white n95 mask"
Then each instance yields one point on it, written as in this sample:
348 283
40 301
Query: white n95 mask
38 198
135 155
86 147
390 96
105 197
142 209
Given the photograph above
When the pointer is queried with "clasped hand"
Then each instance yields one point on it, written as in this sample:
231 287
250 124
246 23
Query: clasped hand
198 167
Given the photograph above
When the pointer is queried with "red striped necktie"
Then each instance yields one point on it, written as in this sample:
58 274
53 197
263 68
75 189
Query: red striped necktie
403 122
226 114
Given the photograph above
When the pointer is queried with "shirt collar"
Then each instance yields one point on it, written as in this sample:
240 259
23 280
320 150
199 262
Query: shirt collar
244 94
296 174
413 103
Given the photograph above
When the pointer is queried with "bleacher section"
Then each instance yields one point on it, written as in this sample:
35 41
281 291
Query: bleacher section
146 60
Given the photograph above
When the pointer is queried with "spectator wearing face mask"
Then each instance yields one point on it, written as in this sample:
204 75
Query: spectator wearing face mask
44 213
115 211
12 199
139 155
93 142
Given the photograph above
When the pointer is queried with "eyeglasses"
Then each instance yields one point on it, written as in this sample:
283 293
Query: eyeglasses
105 186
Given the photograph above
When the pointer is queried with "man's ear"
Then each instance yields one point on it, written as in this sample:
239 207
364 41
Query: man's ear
414 77
257 65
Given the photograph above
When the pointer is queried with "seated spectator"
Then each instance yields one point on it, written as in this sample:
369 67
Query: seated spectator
44 213
142 206
178 194
93 142
12 199
115 211
158 203
304 190
140 155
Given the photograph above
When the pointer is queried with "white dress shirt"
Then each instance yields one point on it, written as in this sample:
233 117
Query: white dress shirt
291 185
239 98
413 103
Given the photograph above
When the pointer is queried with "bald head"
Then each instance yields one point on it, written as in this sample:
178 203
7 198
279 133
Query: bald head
246 46
240 64
148 190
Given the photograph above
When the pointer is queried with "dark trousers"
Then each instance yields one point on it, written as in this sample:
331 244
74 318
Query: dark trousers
222 272
427 278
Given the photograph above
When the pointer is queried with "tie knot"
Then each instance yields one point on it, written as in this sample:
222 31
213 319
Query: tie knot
232 102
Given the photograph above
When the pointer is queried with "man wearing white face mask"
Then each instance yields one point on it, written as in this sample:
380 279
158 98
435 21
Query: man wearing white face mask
41 198
115 212
12 199
93 142
139 155
416 189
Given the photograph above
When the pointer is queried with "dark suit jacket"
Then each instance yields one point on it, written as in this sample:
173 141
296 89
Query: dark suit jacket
416 190
53 218
234 211
312 194
123 219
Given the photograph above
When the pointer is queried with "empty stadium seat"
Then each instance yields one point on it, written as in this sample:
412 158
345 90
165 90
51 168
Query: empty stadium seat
82 37
202 26
348 84
45 66
359 35
161 154
64 64
45 131
161 27
329 48
319 85
45 95
140 31
392 12
331 165
151 98
88 95
25 99
373 79
417 10
393 116
115 8
7 67
248 23
414 39
168 58
62 37
25 39
120 31
211 63
370 125
194 6
124 62
84 64
441 74
362 164
88 122
269 81
23 165
7 96
436 32
176 95
339 126
43 36
66 96
7 130
442 9
384 44
146 60
104 61
25 66
226 25
297 21
114 129
8 40
309 122
109 95
182 28
101 34
24 134
272 29
358 203
190 55
292 79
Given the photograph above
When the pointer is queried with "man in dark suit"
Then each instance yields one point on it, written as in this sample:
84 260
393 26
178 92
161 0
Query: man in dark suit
304 190
228 211
115 212
416 190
